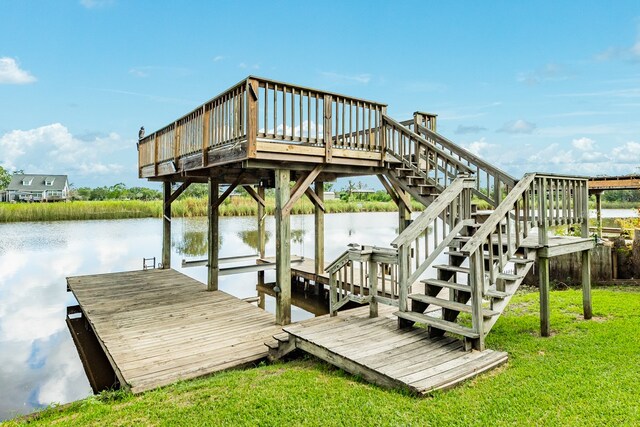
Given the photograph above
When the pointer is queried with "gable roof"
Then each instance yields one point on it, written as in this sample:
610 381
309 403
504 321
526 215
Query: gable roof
37 182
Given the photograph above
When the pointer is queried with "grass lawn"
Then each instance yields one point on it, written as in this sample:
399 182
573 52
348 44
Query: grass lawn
586 374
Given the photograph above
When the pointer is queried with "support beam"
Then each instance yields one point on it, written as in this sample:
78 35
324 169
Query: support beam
390 190
180 190
586 285
319 227
545 309
403 196
228 191
261 234
213 267
166 225
373 288
256 196
283 249
301 186
315 199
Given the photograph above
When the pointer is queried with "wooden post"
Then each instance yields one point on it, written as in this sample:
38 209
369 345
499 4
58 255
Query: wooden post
283 248
319 229
599 212
252 117
212 266
373 288
261 234
404 216
586 284
166 225
477 283
545 310
403 291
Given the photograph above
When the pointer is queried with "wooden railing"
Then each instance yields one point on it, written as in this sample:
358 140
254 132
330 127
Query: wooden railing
269 111
492 183
537 200
421 155
365 275
426 238
309 116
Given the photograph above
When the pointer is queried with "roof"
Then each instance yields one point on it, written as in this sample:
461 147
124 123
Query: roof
37 182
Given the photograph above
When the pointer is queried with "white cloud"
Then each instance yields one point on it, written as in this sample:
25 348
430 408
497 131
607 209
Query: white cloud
583 144
53 149
628 153
518 126
363 78
463 130
550 72
12 74
138 72
218 58
479 147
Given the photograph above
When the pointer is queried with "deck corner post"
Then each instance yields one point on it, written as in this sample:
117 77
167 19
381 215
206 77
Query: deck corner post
586 285
545 309
599 212
252 117
477 289
328 120
213 246
319 230
166 225
283 248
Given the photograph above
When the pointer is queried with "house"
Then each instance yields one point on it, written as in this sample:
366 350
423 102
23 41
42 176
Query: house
37 188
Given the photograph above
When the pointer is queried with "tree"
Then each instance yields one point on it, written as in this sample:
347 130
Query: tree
5 178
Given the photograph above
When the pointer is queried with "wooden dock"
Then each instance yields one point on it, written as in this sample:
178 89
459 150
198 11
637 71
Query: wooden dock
160 326
376 350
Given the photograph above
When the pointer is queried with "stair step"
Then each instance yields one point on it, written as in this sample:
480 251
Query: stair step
451 305
496 294
512 277
455 268
445 325
282 337
521 261
448 285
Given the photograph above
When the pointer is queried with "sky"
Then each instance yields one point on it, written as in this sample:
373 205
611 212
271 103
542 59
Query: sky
546 86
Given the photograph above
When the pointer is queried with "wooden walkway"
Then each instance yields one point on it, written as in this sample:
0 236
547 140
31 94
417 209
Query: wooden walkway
379 352
160 326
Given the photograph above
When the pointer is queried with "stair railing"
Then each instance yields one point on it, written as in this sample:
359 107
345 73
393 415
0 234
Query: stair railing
492 183
537 200
451 212
420 155
364 275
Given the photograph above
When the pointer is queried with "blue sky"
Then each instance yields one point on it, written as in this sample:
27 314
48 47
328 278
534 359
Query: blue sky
531 86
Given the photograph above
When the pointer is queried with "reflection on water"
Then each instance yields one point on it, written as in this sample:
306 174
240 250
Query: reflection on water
39 364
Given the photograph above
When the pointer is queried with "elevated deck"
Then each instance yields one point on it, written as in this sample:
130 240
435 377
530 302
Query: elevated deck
160 326
376 350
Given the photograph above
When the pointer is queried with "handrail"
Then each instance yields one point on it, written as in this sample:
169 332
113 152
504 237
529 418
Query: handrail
468 155
494 178
498 215
411 134
433 211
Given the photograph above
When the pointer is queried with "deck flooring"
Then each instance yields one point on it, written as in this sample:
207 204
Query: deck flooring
160 326
377 350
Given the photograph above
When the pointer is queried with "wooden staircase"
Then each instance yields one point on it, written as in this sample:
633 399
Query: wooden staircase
486 258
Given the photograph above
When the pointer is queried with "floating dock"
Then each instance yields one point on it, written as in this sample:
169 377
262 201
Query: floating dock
159 326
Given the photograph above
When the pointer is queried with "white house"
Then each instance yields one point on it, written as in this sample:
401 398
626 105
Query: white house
37 188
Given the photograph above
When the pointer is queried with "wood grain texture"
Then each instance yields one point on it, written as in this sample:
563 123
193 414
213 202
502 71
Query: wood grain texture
376 350
160 326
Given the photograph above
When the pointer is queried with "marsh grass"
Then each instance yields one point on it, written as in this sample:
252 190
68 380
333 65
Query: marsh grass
585 374
183 207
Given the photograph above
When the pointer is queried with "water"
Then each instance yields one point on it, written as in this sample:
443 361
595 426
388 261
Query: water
615 213
39 364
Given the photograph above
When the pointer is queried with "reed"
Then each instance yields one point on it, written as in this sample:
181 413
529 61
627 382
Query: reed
183 207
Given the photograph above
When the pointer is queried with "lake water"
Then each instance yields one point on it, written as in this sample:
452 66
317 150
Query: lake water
39 364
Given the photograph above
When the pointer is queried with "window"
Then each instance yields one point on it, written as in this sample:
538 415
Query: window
49 182
27 181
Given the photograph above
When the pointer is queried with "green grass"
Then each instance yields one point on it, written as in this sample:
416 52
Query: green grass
187 207
585 374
